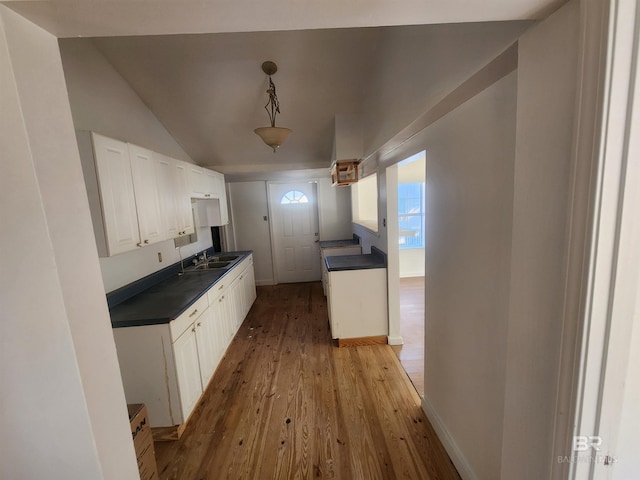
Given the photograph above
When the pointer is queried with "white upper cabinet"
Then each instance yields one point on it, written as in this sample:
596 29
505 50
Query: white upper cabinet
220 192
145 186
166 176
183 191
198 182
139 197
119 226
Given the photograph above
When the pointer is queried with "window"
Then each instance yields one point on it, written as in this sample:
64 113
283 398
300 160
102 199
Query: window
411 215
293 196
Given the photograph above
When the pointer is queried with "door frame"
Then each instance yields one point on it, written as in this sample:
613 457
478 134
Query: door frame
270 210
607 136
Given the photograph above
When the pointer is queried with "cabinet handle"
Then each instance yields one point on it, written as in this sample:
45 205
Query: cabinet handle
221 298
193 329
220 287
207 194
193 313
146 242
139 244
199 324
240 277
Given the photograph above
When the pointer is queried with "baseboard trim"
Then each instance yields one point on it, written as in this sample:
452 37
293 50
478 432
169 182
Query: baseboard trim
262 283
456 455
356 342
395 340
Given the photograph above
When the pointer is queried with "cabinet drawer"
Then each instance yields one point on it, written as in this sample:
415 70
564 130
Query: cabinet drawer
180 324
218 289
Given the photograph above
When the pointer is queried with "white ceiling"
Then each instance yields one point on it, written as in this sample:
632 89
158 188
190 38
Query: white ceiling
208 90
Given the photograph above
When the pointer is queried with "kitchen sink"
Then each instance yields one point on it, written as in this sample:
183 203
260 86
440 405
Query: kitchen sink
213 265
227 258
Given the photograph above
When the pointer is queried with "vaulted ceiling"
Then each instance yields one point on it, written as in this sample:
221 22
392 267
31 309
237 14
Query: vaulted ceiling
204 82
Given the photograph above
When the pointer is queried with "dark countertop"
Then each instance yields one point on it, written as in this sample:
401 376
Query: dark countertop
339 243
375 259
167 299
348 242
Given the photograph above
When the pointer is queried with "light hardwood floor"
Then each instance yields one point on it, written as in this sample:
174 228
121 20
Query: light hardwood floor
411 353
286 403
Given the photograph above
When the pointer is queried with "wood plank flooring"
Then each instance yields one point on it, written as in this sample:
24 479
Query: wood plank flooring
411 354
286 403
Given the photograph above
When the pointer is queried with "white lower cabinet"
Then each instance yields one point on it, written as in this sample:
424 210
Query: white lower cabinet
185 351
168 366
357 303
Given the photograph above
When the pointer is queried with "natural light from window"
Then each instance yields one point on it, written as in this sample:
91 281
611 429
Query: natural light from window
293 197
411 205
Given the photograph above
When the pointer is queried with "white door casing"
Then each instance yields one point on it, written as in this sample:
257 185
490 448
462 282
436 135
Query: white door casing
294 231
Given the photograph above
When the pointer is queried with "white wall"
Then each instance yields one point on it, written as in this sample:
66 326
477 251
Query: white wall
334 210
63 407
248 205
469 191
412 80
548 55
103 102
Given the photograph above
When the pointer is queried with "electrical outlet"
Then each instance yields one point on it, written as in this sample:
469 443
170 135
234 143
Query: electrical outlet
160 256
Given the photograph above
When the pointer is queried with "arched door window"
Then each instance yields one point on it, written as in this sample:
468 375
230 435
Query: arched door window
293 197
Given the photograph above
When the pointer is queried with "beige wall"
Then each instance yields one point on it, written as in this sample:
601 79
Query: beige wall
64 411
103 102
548 56
413 79
469 196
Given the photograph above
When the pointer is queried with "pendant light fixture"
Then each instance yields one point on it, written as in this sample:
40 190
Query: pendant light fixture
272 136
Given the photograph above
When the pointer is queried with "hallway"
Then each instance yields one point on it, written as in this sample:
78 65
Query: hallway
285 403
412 321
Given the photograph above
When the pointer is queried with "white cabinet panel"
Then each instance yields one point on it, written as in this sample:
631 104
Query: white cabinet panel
183 192
197 181
185 351
220 192
166 176
207 346
358 311
145 187
113 168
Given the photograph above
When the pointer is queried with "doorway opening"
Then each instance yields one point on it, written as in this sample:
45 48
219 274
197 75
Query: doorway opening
408 239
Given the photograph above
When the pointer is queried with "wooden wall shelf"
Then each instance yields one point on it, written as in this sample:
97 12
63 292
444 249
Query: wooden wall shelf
344 172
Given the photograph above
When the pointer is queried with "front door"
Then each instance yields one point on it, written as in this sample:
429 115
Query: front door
294 230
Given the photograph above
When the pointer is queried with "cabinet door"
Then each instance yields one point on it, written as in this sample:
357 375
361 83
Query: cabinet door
166 175
220 192
198 181
219 329
120 217
250 286
185 350
145 188
207 346
211 183
236 304
183 192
